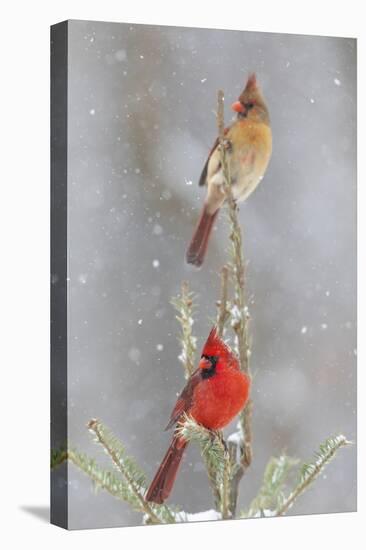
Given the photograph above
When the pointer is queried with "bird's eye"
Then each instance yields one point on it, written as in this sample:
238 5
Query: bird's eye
208 370
212 359
249 106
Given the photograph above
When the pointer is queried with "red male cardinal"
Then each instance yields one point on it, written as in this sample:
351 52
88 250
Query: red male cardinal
215 393
249 148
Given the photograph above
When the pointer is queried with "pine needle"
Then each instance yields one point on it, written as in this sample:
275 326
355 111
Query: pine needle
310 471
132 475
184 305
216 457
270 495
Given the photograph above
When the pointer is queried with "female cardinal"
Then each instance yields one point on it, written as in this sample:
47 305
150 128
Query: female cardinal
215 393
249 148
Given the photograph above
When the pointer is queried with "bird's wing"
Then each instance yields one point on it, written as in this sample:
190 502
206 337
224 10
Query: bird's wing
202 180
184 401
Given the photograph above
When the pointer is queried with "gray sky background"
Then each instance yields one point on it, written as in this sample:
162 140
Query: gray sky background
141 122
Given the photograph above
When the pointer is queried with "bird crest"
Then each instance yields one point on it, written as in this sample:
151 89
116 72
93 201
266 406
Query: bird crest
215 345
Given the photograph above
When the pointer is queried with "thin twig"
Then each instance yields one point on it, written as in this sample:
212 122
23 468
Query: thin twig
219 486
220 115
240 321
245 454
223 313
226 489
212 478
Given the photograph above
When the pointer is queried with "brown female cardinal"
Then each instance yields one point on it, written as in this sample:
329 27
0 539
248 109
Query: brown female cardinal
249 148
215 393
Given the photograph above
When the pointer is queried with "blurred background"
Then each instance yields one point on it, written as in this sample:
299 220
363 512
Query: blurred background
142 103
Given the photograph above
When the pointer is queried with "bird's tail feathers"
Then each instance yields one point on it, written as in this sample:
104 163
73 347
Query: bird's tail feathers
163 481
198 246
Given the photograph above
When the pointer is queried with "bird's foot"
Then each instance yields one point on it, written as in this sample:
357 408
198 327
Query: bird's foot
218 434
228 146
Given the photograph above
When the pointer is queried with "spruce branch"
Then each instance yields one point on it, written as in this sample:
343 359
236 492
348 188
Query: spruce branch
212 445
215 456
270 496
226 509
58 457
309 472
131 473
242 446
102 479
184 305
223 313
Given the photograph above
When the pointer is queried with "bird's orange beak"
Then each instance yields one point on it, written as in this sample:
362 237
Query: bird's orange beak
238 107
204 363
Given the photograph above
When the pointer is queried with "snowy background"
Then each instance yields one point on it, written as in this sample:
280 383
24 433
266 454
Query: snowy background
141 122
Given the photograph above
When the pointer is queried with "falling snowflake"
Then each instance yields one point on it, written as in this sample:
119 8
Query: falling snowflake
134 355
337 82
157 230
82 278
304 330
120 55
92 112
166 194
156 264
